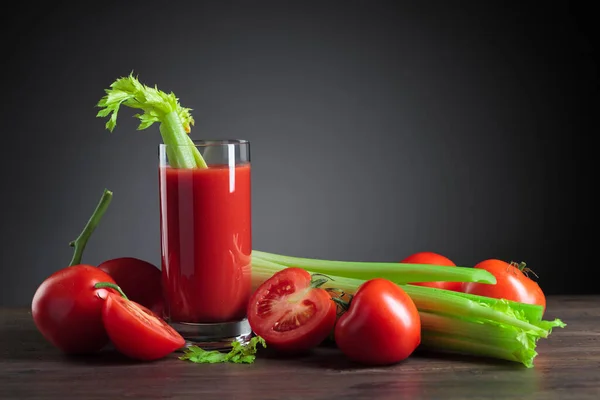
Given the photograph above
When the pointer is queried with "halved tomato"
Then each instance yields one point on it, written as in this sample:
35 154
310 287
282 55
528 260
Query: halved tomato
291 312
136 331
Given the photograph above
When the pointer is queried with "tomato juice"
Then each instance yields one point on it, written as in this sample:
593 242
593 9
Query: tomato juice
206 242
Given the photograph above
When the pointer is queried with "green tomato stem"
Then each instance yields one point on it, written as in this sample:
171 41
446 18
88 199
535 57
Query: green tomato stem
316 282
343 304
81 241
100 285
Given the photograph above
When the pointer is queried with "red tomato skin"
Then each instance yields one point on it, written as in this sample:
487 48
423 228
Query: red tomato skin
136 331
428 257
308 335
511 284
140 280
382 326
67 309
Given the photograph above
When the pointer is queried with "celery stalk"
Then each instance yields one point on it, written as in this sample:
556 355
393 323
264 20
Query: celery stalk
453 303
400 273
453 321
490 339
532 312
454 344
180 152
164 108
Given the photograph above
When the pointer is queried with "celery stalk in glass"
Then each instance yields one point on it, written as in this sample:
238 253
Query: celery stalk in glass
160 107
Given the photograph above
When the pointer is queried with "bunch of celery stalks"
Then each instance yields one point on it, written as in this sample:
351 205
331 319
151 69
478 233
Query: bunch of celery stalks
450 321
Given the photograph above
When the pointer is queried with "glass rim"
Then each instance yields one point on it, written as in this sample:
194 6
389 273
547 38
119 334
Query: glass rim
211 142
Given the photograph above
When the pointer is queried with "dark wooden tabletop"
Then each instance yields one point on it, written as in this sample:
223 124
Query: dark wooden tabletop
567 367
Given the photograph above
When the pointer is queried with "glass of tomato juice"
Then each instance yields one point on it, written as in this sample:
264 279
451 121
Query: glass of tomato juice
206 243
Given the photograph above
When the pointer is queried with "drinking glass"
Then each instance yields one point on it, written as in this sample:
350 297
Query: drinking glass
206 241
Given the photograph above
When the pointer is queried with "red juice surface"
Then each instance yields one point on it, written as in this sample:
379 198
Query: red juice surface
206 242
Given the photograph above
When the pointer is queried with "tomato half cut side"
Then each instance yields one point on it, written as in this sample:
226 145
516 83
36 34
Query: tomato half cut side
136 331
290 312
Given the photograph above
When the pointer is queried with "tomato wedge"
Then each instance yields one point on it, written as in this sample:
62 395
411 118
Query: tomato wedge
291 312
136 331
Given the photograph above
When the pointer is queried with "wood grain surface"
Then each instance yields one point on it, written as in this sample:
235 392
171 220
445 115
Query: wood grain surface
567 367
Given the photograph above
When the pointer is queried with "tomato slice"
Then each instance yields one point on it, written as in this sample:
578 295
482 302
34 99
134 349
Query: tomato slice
290 312
136 331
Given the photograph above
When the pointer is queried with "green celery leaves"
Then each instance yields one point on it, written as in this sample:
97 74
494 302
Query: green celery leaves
239 353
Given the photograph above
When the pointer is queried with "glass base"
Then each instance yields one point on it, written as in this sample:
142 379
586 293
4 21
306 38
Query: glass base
214 336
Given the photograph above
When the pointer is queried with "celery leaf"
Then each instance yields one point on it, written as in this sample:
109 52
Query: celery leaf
155 103
239 353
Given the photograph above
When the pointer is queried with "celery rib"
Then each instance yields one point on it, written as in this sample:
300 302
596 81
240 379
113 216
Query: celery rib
444 332
531 312
454 303
400 273
445 343
180 152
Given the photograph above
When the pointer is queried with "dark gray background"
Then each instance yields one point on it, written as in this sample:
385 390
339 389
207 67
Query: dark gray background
378 129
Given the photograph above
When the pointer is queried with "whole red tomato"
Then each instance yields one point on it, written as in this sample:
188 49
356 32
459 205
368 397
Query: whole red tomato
136 331
139 279
381 326
290 312
67 309
511 283
428 257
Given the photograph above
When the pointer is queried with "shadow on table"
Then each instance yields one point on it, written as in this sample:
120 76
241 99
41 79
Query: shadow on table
17 344
425 374
20 344
329 357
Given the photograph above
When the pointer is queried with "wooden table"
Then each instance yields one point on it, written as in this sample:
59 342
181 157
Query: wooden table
567 367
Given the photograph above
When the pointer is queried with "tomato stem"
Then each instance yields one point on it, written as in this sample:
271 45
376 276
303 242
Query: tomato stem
343 304
315 283
100 285
337 292
522 266
81 241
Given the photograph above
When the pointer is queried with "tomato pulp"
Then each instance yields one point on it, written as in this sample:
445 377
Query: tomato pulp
206 242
